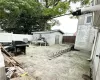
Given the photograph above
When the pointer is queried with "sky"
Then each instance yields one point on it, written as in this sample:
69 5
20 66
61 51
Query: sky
67 25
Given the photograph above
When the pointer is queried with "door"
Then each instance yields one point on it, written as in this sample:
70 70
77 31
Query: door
96 56
57 39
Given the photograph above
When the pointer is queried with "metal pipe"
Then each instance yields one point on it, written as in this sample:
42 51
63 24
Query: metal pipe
94 44
91 9
86 10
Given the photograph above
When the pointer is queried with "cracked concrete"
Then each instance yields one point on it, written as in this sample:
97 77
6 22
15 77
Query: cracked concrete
69 66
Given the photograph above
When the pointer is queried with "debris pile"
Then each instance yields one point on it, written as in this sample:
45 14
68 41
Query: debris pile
12 67
60 52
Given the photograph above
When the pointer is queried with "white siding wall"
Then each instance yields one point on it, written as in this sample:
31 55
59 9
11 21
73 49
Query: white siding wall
5 37
85 34
2 67
21 37
50 37
96 46
35 37
8 37
84 38
98 72
96 59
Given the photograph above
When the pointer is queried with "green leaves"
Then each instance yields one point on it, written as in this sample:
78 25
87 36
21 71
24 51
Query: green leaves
16 7
25 16
83 2
59 9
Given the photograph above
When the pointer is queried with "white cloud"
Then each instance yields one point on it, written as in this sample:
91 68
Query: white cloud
67 24
75 6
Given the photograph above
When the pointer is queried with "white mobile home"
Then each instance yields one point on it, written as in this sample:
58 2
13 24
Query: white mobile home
52 37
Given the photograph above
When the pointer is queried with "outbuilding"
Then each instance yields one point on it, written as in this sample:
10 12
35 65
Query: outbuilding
52 37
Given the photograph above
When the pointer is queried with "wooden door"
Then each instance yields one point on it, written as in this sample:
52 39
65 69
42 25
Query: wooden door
57 39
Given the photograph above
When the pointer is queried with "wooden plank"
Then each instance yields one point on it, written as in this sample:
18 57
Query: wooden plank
9 61
11 56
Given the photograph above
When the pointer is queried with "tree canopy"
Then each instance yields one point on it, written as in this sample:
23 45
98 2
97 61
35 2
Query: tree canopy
25 16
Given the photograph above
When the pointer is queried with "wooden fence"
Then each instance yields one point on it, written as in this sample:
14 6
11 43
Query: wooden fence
69 39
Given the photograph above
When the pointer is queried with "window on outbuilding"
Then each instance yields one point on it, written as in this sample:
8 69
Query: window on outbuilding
89 19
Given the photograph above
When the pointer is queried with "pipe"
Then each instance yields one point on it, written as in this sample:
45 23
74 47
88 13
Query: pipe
94 45
86 10
91 9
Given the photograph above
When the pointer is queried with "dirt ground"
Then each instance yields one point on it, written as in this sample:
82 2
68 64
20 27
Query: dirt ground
69 66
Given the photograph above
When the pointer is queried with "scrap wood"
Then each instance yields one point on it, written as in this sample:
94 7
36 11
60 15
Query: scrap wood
10 56
16 71
15 64
8 61
11 72
21 72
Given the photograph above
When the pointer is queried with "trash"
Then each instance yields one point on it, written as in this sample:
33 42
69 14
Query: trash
10 72
13 67
13 72
26 73
9 59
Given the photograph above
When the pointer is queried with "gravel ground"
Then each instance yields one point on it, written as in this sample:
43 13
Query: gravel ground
69 66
